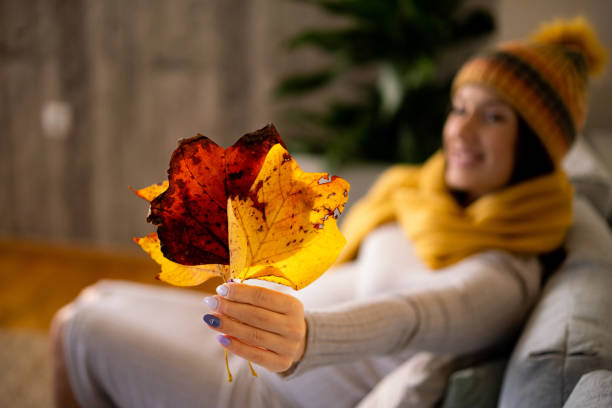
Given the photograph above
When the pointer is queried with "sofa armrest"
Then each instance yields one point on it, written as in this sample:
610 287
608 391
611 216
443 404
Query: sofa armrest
569 332
591 176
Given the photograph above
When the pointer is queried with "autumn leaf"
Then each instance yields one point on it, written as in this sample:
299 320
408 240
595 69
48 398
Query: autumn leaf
286 230
172 272
191 214
177 274
150 192
246 212
282 228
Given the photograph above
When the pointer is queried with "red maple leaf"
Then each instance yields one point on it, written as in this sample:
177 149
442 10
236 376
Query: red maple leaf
191 214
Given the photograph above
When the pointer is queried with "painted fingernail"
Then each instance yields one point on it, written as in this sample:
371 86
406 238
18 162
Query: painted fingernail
222 289
223 340
211 302
212 321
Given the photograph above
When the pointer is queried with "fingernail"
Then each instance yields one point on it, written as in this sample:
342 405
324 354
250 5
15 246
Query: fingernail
222 289
212 321
211 302
223 340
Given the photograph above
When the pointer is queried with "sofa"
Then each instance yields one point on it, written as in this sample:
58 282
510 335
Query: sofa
563 356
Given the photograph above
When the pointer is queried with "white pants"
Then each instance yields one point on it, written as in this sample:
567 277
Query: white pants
132 345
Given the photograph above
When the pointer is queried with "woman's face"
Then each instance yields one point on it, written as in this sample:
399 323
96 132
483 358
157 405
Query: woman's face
479 140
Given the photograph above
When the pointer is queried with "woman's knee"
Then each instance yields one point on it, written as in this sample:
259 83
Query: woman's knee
63 395
66 314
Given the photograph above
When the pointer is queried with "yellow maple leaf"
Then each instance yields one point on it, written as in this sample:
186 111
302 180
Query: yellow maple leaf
175 273
286 230
152 191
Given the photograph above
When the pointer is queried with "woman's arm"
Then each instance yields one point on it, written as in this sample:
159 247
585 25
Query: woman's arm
467 308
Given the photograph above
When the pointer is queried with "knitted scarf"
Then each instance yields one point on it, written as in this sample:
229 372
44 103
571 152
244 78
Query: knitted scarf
531 217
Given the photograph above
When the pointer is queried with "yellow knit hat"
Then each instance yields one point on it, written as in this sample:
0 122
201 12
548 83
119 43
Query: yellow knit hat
544 79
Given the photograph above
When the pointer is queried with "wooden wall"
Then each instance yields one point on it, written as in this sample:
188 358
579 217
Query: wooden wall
138 76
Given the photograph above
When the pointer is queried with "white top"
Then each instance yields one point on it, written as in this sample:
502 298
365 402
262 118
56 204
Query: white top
403 306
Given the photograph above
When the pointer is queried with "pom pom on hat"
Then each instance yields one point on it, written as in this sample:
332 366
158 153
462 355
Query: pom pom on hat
576 35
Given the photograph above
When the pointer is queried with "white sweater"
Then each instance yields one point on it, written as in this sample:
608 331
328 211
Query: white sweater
402 306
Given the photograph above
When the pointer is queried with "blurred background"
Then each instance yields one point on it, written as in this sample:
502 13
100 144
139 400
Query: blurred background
95 95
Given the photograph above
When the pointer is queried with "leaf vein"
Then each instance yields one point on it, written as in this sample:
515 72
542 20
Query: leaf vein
196 180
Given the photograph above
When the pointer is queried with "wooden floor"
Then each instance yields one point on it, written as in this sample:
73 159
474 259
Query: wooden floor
37 278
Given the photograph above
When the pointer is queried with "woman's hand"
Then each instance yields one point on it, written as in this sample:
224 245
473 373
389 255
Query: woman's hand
259 324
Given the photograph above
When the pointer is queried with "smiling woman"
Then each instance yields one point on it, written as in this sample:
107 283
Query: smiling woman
479 140
442 261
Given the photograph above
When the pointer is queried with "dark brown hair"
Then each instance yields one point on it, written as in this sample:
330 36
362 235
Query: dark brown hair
531 159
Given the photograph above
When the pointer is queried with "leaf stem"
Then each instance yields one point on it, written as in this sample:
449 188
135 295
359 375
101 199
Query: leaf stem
253 372
229 373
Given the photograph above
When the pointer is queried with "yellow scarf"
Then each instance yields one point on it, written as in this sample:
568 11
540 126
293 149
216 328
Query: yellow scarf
531 217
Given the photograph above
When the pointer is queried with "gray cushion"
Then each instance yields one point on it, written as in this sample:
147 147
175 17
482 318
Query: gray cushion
590 174
475 387
569 332
594 390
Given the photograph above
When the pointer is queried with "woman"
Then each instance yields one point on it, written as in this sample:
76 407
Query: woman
443 259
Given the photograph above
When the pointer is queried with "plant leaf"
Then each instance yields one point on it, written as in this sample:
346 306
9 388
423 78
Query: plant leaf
191 214
286 230
301 83
177 274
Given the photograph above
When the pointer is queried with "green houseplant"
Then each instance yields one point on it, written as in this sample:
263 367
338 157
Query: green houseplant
398 114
